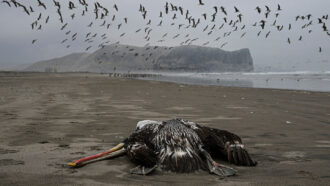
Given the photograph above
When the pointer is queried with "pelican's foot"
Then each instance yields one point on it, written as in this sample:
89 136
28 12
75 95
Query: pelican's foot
220 170
142 170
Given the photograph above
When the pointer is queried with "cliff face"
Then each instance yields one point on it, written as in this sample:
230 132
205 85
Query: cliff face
194 58
130 58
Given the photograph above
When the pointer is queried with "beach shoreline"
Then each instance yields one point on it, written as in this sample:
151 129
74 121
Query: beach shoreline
50 119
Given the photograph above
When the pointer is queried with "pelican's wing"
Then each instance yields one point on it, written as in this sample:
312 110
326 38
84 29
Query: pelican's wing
222 143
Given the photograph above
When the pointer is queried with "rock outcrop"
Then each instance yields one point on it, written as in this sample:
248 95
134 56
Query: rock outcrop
123 58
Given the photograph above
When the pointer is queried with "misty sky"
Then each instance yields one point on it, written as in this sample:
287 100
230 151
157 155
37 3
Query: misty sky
16 34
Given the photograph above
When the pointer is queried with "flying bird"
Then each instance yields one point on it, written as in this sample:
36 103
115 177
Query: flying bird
47 19
223 10
262 24
71 5
4 1
258 9
42 4
63 27
204 15
88 48
115 7
236 9
223 44
259 33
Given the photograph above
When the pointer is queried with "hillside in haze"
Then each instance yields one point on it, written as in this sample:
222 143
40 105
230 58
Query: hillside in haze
123 58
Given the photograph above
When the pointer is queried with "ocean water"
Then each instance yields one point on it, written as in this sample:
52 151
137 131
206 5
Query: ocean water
301 80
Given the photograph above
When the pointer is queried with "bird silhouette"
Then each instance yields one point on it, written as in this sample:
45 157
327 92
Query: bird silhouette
204 15
25 9
115 7
42 4
236 9
240 17
259 33
71 5
4 1
229 21
63 41
262 24
258 9
223 10
63 27
224 44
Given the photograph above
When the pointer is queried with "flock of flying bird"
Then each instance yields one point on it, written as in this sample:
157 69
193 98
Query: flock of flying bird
219 20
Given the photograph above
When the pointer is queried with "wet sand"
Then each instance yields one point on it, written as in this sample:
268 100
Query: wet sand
47 120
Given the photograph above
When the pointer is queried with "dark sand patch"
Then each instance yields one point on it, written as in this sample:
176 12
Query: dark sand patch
6 162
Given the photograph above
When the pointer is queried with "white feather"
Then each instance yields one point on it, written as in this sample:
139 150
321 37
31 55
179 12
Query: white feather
143 123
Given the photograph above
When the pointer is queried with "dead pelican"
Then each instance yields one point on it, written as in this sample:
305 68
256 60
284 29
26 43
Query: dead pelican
178 145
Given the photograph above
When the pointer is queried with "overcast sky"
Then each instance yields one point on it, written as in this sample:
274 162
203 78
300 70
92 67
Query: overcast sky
16 34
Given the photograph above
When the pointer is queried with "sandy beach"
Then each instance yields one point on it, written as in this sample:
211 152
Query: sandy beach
48 120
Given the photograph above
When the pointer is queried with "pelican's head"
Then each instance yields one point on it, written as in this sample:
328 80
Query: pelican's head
144 123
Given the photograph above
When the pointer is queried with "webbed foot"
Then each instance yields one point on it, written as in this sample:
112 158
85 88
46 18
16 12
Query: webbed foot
216 168
142 170
220 170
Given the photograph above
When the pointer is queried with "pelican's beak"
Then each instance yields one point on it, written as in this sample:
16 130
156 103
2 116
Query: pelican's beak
113 152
